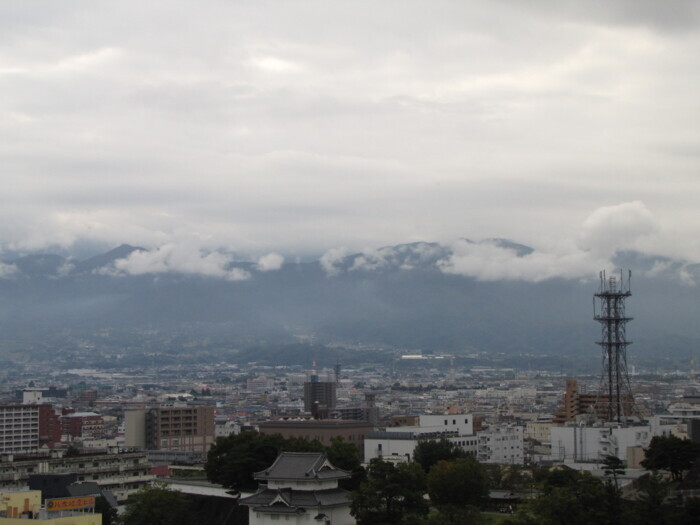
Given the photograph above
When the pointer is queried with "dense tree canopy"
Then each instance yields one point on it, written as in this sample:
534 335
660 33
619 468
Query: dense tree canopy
672 454
234 459
568 497
157 505
391 494
458 483
427 453
346 456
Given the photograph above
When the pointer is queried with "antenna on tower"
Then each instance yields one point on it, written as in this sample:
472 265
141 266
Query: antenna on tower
615 398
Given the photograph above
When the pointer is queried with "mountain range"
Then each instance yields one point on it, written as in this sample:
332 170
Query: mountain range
397 296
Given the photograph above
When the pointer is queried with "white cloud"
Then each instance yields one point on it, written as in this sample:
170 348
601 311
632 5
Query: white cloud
332 259
613 228
185 259
275 64
270 262
489 262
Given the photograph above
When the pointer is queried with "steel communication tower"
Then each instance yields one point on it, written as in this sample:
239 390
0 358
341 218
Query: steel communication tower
615 398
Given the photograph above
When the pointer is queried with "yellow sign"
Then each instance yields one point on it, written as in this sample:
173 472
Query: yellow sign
70 503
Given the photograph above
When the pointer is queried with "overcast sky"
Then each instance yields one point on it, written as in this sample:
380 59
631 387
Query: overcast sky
299 127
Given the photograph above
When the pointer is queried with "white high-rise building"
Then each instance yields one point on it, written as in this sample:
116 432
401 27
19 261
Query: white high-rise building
502 445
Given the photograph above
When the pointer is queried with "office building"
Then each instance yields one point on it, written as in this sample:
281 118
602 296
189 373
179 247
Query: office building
171 428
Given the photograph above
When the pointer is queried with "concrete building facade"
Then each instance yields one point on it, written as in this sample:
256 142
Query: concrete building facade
171 428
502 445
323 430
26 428
121 473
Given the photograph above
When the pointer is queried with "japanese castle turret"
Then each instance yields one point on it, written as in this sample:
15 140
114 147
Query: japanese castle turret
300 488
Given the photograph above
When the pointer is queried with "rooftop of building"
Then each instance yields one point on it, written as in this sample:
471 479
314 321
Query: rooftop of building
286 501
315 423
301 466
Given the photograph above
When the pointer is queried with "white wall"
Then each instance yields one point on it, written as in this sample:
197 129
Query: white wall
594 443
337 515
502 445
405 447
463 424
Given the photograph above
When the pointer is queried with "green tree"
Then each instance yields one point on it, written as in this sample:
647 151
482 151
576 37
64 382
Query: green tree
450 515
651 506
614 467
568 498
458 483
233 460
390 495
158 505
346 456
343 455
672 454
427 453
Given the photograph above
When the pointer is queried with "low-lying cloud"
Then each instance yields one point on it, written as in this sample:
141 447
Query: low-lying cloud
606 232
172 258
271 262
7 270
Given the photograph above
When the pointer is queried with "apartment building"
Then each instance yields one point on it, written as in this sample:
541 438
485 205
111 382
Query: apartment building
26 428
503 445
171 427
122 473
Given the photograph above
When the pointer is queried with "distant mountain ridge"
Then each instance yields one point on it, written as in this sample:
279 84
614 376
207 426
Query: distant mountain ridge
398 296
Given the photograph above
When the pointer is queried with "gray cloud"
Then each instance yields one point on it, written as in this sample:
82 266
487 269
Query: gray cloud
259 127
7 270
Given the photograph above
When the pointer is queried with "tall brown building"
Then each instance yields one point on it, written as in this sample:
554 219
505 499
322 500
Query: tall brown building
171 428
575 403
319 393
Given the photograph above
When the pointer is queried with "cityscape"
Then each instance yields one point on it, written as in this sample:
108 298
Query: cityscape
318 262
112 432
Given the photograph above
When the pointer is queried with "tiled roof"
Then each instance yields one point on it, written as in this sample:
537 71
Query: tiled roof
290 500
301 466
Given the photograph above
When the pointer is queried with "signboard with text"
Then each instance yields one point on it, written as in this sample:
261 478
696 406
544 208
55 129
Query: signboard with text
70 503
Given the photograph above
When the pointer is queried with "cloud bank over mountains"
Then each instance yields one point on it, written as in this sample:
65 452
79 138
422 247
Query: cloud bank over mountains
605 236
608 231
